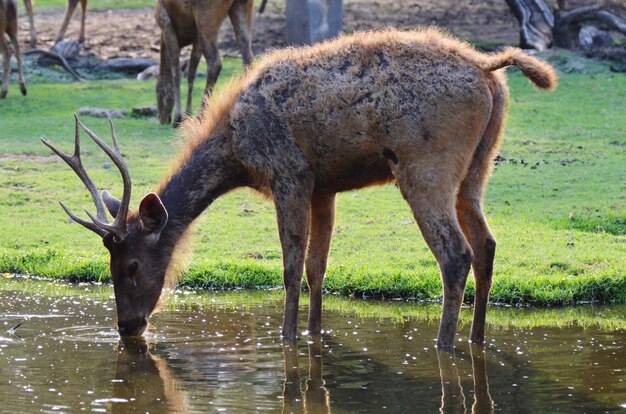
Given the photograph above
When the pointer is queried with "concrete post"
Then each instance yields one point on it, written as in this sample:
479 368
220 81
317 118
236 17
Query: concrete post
310 21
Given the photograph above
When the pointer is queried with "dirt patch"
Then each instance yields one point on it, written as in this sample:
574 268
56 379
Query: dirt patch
134 32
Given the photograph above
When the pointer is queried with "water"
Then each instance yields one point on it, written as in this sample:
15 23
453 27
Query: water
221 352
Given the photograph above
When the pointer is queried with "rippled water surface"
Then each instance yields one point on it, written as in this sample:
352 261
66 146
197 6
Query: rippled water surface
221 352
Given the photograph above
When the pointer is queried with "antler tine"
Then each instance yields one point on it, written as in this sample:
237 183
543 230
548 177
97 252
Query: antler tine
75 164
91 226
116 145
119 225
108 228
124 205
95 194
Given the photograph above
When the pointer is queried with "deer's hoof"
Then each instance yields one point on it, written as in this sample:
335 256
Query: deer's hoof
23 89
3 94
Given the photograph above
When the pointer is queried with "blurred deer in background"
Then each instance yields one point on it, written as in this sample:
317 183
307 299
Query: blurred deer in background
71 6
196 24
8 25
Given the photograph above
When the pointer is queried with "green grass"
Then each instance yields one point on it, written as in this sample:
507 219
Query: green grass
60 5
556 203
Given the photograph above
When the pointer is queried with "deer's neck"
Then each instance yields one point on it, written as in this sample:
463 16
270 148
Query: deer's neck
209 171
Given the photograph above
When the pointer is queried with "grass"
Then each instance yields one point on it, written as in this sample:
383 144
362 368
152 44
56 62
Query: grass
556 201
60 5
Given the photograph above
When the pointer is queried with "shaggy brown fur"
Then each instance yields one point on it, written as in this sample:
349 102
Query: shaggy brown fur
420 108
196 24
416 108
8 25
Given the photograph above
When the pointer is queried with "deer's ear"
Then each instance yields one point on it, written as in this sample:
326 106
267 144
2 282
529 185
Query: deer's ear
152 214
112 204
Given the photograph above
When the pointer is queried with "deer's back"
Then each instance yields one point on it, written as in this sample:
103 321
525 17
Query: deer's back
351 106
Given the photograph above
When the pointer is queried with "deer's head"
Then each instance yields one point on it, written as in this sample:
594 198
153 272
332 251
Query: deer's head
138 259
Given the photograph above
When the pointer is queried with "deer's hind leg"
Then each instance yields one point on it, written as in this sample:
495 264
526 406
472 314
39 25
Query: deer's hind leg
470 212
433 205
428 179
320 235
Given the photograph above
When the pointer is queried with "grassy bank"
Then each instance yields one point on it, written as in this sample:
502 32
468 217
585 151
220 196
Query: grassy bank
556 201
603 317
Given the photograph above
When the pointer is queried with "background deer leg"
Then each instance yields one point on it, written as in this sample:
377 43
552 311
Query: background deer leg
433 203
320 235
166 88
28 4
18 55
71 6
213 62
192 68
208 21
241 17
165 95
168 85
83 16
6 64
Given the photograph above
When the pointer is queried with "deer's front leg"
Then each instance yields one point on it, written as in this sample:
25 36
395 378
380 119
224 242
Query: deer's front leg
293 216
322 220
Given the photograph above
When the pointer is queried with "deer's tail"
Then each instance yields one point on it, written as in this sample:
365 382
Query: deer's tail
540 73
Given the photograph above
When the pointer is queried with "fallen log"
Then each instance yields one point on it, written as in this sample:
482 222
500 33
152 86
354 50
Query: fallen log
567 25
57 58
540 28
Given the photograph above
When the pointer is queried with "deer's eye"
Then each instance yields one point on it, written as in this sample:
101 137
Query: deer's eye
132 267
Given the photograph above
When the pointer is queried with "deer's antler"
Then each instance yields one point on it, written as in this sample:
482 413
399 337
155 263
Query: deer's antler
99 224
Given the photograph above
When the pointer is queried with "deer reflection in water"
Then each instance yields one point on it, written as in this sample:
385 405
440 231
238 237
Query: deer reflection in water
143 381
452 398
315 398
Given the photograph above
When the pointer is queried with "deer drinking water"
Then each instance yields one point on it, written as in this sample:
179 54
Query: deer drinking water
416 108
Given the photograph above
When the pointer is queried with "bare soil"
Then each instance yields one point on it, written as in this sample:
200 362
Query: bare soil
134 32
